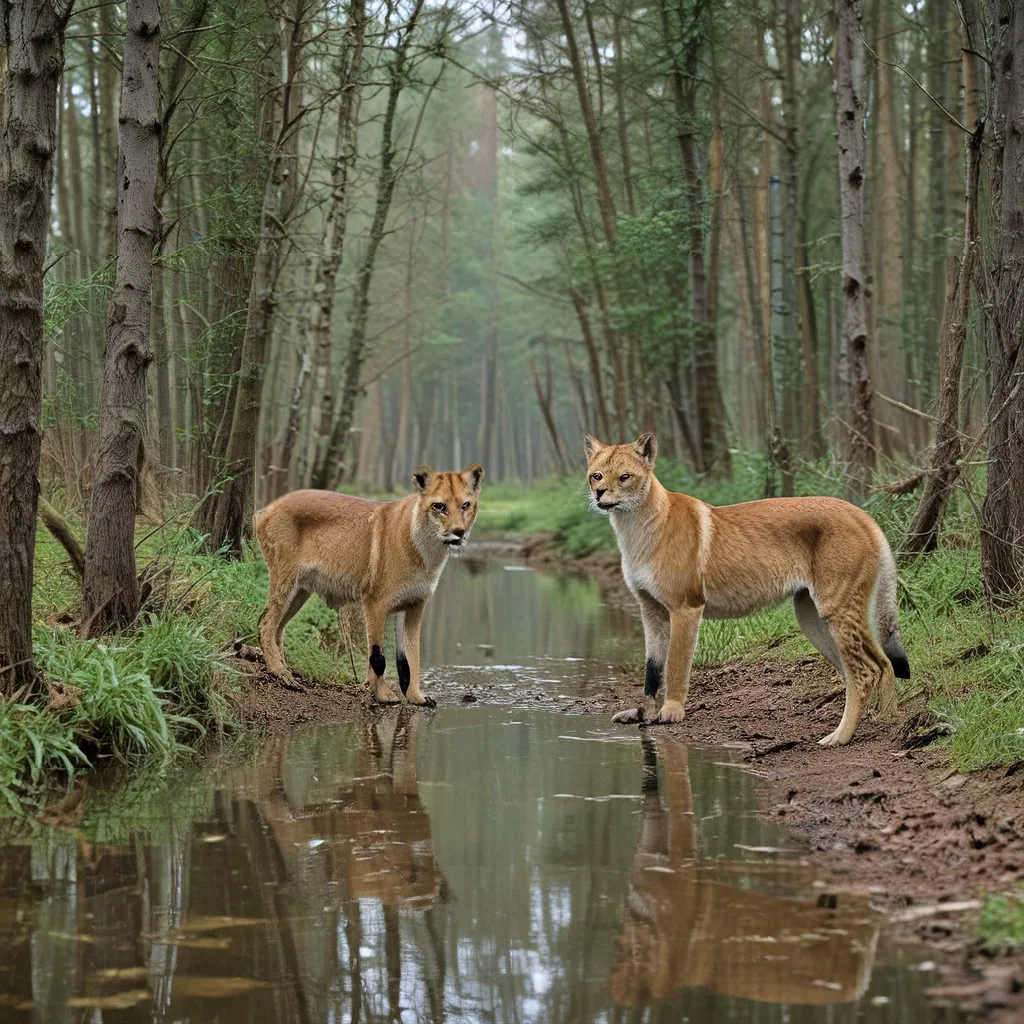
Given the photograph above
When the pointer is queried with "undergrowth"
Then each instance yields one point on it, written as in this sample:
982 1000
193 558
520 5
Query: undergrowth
139 696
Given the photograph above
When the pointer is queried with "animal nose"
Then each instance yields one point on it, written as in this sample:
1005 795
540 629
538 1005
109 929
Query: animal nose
600 492
459 532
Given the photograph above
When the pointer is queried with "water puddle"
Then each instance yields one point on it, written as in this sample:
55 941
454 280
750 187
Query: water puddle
494 862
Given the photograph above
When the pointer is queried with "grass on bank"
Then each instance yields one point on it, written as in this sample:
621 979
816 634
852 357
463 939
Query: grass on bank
144 693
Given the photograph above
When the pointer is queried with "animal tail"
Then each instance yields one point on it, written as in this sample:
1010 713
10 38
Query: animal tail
887 614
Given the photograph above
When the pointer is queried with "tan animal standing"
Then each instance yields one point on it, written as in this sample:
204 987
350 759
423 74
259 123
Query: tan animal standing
387 555
685 560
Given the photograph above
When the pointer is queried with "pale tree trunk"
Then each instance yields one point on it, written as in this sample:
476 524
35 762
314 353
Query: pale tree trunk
887 209
232 506
923 532
849 64
333 467
621 114
1002 518
110 586
488 178
32 40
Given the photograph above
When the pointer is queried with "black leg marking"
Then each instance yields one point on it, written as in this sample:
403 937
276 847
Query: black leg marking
649 779
404 675
377 662
652 679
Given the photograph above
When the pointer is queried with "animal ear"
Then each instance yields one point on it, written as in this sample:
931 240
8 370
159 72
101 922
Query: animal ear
473 475
646 446
591 446
422 476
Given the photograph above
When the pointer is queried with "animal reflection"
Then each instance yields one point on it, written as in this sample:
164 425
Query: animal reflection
365 845
374 830
682 926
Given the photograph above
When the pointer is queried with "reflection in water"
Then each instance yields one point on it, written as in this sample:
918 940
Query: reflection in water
685 926
480 864
485 613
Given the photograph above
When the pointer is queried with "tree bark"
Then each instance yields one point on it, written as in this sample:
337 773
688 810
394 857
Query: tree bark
232 507
110 587
325 288
923 532
333 467
32 38
849 60
1002 514
712 446
605 202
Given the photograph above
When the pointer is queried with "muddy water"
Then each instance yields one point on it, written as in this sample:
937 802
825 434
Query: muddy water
491 862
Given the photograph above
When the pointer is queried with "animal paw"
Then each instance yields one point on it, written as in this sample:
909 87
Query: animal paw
386 694
671 711
833 739
628 717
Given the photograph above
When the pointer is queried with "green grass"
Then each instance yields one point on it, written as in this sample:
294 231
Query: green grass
146 694
1001 924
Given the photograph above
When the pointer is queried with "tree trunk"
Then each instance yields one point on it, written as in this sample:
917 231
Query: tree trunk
923 532
887 209
605 203
322 319
545 394
32 39
849 59
1002 514
713 448
110 587
232 508
333 468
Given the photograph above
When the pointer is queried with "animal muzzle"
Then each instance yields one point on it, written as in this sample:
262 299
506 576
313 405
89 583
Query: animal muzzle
455 538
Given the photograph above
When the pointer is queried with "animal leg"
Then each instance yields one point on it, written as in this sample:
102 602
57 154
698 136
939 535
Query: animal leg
685 625
814 628
864 668
656 638
407 634
272 622
375 617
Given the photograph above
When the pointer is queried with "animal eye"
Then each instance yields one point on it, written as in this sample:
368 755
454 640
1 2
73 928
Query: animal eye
623 478
439 506
465 505
597 476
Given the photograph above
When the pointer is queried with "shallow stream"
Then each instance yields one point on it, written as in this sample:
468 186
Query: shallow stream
494 861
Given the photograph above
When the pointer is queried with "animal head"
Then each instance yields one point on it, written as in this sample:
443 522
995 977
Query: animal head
619 475
448 502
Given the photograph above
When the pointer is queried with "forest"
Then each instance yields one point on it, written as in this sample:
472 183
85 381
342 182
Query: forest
252 247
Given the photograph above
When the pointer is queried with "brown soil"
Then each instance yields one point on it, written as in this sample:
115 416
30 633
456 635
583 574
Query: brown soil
265 701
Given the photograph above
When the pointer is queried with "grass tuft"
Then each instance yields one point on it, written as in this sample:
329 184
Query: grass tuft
1001 924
